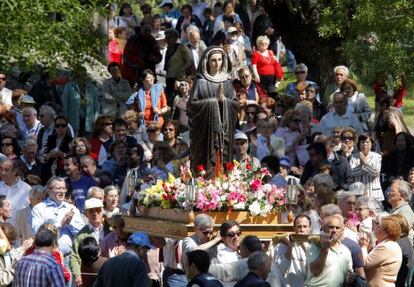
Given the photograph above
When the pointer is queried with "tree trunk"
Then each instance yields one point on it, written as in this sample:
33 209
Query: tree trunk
298 29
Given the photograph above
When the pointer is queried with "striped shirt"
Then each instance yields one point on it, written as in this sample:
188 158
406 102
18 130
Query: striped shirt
38 269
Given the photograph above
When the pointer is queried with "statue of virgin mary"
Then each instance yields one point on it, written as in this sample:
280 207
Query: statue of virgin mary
212 111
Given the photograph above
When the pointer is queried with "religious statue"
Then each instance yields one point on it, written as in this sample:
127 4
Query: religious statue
212 110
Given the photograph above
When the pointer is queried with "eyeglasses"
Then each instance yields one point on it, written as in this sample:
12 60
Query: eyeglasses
347 138
61 126
60 188
6 144
296 120
234 234
2 78
299 72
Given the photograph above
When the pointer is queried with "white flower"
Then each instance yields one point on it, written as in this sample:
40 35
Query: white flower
225 185
240 205
254 208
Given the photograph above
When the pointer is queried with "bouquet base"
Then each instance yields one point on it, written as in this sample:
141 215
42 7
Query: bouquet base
177 223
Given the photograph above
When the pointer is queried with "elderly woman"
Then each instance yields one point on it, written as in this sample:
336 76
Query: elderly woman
398 162
301 73
293 134
135 130
80 146
383 262
368 167
171 131
357 102
348 148
111 200
266 68
150 100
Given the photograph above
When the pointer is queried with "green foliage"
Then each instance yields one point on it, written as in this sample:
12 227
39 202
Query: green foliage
378 35
32 37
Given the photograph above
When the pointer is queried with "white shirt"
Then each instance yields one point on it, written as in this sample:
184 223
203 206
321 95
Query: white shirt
6 96
49 211
332 120
294 270
18 194
33 131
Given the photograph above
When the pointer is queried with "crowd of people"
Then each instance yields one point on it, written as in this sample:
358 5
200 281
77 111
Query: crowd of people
199 84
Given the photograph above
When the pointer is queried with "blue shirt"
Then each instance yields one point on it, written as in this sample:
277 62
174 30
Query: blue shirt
49 211
79 189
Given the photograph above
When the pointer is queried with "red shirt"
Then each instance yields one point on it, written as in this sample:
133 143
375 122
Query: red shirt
115 54
267 66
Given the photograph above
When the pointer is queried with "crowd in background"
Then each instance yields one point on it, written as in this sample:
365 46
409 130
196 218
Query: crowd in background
73 152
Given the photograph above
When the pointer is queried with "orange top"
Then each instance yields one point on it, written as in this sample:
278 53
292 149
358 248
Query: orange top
149 113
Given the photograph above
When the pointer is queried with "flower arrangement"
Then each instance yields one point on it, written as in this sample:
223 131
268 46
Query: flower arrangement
236 189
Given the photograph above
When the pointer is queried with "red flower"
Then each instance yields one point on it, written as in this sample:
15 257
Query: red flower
249 166
229 166
200 167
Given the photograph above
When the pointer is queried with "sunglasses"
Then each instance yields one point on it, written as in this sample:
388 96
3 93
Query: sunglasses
299 72
2 78
6 144
347 138
234 234
61 126
207 232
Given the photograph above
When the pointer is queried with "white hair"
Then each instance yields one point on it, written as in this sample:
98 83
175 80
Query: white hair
93 189
37 189
343 195
301 67
192 28
404 189
31 110
202 221
369 202
261 39
344 68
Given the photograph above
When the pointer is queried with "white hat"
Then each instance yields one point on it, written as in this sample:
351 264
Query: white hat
160 36
241 136
27 99
93 203
231 30
166 2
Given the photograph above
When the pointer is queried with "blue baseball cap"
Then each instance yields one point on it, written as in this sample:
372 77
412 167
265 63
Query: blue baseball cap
141 239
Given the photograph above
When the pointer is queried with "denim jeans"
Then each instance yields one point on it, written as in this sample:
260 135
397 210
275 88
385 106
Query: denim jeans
177 280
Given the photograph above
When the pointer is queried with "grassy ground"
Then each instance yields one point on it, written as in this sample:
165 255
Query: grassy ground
408 108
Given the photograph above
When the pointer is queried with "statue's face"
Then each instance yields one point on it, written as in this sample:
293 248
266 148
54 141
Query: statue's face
215 63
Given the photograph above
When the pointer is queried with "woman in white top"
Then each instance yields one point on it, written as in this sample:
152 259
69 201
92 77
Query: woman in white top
228 250
369 167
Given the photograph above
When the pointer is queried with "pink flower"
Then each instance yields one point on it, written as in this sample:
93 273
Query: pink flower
255 184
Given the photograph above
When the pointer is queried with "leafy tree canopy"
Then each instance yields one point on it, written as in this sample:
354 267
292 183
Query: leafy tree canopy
48 33
374 35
